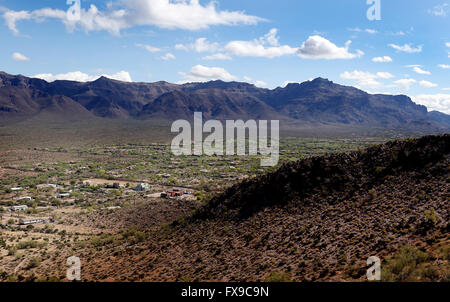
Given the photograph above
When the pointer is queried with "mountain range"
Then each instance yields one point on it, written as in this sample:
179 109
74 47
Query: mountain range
316 102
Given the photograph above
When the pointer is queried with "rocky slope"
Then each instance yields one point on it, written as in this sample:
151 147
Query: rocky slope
318 219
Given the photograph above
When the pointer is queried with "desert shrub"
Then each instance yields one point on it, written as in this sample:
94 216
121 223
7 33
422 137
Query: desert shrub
133 235
34 262
408 265
428 222
12 250
278 277
30 244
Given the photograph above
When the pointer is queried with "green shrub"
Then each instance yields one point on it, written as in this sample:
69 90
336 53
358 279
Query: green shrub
278 277
408 265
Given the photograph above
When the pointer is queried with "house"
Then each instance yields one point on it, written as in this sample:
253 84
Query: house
64 194
53 186
142 187
24 198
113 208
174 194
31 221
16 189
19 208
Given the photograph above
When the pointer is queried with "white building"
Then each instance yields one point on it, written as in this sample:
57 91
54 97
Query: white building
19 208
142 187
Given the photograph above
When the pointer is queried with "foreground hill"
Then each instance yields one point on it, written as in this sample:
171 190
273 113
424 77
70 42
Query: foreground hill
312 103
317 219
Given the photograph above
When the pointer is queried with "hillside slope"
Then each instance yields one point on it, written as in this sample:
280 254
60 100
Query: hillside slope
318 219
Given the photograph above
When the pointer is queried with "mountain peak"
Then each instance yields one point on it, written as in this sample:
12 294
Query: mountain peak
320 80
103 79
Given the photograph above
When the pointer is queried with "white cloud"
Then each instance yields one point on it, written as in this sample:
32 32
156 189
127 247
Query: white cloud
200 73
366 79
149 48
367 30
181 47
439 102
218 56
267 47
444 66
371 31
419 70
317 47
383 59
256 83
168 56
439 10
19 57
407 48
405 83
11 17
79 76
200 45
177 14
427 84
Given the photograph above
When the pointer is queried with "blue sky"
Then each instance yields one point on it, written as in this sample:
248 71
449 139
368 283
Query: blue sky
268 43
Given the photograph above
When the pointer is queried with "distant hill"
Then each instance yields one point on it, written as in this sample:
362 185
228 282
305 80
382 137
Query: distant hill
317 102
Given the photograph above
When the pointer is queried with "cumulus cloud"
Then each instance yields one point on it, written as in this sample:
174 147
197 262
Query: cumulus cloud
427 84
438 102
317 47
19 57
384 59
200 73
90 20
79 76
407 48
121 14
168 56
267 47
218 56
366 79
444 66
417 69
405 83
149 48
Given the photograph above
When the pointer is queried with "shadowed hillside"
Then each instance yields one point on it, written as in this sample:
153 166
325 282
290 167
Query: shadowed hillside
343 174
316 219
